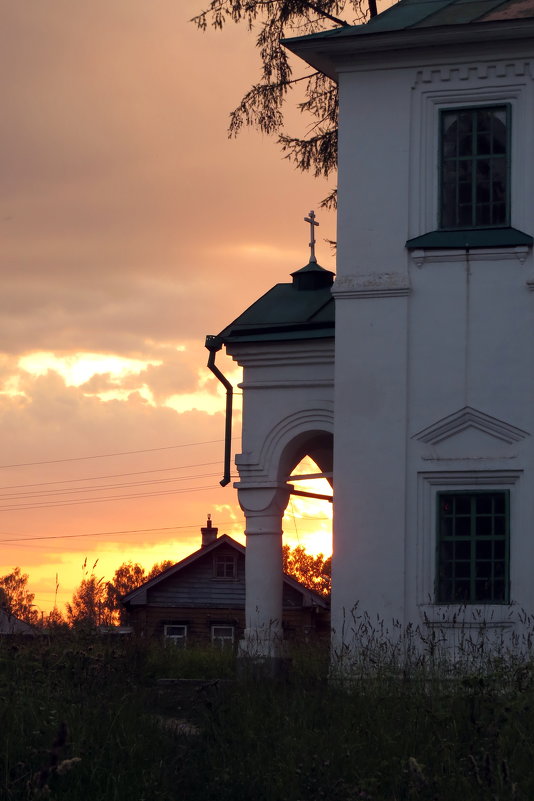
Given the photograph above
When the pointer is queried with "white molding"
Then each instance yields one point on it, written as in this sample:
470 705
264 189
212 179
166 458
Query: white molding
471 460
372 285
468 417
468 617
276 354
422 256
481 71
277 384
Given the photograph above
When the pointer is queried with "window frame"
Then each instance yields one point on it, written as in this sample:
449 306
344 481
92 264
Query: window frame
473 538
454 86
222 641
422 570
177 640
227 560
473 158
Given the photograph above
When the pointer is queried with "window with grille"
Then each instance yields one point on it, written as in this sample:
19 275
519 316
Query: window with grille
473 547
475 167
225 566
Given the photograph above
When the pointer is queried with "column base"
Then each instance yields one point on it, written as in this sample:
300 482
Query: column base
265 659
261 644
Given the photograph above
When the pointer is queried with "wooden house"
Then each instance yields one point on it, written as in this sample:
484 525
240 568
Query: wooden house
202 599
11 625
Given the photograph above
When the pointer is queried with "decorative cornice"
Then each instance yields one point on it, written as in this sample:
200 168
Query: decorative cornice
276 354
474 72
295 384
468 459
470 478
470 418
423 256
372 285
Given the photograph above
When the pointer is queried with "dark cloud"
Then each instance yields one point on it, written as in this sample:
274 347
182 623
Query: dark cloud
129 225
122 200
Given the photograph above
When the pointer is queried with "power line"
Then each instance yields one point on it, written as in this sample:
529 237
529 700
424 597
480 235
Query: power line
109 475
130 531
110 533
106 455
103 500
58 492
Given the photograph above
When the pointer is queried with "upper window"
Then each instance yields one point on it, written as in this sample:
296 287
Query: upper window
475 167
225 566
473 547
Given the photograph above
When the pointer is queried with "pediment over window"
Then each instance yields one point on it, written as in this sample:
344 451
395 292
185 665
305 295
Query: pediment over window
468 418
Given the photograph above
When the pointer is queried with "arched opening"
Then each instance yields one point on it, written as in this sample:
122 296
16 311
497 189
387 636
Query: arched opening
307 521
317 445
307 464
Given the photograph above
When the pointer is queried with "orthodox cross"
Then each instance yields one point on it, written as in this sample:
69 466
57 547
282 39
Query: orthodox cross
313 223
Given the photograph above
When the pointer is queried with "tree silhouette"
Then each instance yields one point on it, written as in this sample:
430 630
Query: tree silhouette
55 620
314 572
158 568
90 605
15 598
97 602
262 106
128 577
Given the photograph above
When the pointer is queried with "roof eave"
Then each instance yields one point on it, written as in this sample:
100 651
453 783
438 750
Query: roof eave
310 597
332 54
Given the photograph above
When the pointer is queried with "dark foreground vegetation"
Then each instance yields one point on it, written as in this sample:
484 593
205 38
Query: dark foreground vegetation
85 718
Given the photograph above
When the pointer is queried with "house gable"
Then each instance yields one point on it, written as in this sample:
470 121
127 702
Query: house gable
197 569
198 585
204 580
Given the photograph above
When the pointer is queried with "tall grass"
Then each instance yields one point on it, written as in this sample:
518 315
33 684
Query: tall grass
83 718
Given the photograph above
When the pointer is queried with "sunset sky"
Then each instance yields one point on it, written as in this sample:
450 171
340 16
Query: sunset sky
131 227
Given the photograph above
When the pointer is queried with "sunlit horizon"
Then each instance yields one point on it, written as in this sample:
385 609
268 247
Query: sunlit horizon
124 244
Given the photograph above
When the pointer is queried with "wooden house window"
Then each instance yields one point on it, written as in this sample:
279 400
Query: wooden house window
222 636
175 635
225 567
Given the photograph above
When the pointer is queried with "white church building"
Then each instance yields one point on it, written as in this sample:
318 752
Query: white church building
417 400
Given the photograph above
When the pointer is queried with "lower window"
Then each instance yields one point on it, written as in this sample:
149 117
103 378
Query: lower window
222 635
473 547
175 635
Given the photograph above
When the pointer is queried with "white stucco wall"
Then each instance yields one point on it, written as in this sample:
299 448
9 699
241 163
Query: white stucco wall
421 336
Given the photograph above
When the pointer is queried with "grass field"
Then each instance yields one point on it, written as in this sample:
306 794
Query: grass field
82 718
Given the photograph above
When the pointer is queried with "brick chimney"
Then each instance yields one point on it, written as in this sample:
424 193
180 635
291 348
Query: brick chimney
209 533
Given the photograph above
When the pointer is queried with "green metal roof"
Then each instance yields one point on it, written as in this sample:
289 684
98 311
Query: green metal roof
409 14
303 309
471 238
429 13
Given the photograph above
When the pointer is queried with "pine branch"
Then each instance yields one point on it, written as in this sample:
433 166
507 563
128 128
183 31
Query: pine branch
326 15
319 153
262 106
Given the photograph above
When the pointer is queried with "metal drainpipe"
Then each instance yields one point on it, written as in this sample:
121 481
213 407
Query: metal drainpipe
214 344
